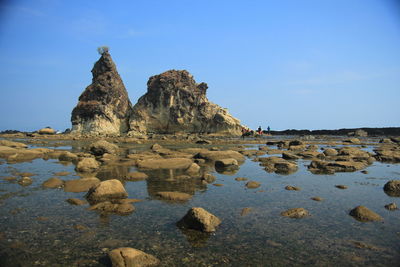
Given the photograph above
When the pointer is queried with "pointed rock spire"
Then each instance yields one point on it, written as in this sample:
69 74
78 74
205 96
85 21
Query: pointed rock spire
104 106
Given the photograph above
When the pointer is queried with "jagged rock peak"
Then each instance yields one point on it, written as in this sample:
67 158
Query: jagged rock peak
174 103
104 106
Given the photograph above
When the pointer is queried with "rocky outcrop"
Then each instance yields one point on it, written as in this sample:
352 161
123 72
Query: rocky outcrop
175 103
104 106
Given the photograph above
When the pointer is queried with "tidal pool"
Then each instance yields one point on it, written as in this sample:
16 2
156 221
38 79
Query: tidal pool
39 228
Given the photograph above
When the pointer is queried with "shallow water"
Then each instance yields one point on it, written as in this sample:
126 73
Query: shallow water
38 227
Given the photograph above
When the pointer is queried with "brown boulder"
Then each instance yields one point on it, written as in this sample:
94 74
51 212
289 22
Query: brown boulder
53 182
80 185
136 176
106 190
130 257
364 214
392 188
252 184
101 147
87 165
46 131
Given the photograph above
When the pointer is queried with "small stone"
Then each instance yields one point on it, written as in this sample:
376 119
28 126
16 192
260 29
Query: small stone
76 201
53 182
296 213
62 173
174 196
241 179
292 188
317 198
340 186
136 176
25 181
218 185
252 184
391 206
245 211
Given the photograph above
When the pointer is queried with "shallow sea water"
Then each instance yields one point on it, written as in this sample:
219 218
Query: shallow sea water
39 228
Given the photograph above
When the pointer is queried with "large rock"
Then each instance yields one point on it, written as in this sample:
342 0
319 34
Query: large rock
47 130
106 190
130 257
104 106
101 147
12 144
199 219
364 214
174 102
392 188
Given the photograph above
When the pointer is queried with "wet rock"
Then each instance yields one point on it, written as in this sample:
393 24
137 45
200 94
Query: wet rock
46 130
330 152
174 196
292 188
354 141
110 207
130 257
289 156
104 107
317 198
62 173
245 211
218 185
136 176
76 201
388 155
218 155
311 154
101 147
106 190
67 156
171 163
12 144
241 179
341 186
296 213
318 166
204 142
199 219
53 182
230 164
87 165
25 181
252 184
364 214
392 188
156 147
391 206
208 178
193 169
80 185
285 167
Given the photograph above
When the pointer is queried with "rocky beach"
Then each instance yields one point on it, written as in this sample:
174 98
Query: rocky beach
170 181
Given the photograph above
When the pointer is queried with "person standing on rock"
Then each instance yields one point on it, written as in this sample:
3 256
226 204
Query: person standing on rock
259 130
269 130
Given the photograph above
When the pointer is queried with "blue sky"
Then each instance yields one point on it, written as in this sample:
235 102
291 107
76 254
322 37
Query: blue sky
306 64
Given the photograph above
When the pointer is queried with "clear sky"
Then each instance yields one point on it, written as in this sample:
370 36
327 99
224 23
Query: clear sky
300 64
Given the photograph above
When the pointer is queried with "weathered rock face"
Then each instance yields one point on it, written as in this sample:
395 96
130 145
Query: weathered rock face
104 106
174 102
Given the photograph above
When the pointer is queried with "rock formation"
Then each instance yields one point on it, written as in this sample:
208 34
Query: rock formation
104 106
175 103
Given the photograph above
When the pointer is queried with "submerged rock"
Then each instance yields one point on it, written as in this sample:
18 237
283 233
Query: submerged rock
104 106
136 176
25 181
174 196
252 184
364 214
171 163
130 257
101 147
80 185
199 219
106 190
174 102
53 182
296 213
87 165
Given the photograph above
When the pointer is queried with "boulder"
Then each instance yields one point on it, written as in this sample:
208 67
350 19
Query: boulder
326 167
330 152
67 156
80 185
193 169
285 167
130 257
174 103
53 182
174 196
46 130
364 214
25 181
12 144
289 156
104 106
101 147
111 207
106 190
392 188
391 206
199 219
230 164
169 163
296 213
87 165
392 156
354 141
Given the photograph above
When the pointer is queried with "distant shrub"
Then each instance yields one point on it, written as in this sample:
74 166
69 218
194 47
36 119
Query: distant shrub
103 49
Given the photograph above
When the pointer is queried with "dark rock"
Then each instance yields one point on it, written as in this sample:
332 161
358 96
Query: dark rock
199 219
340 186
391 206
392 188
76 201
101 147
317 198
